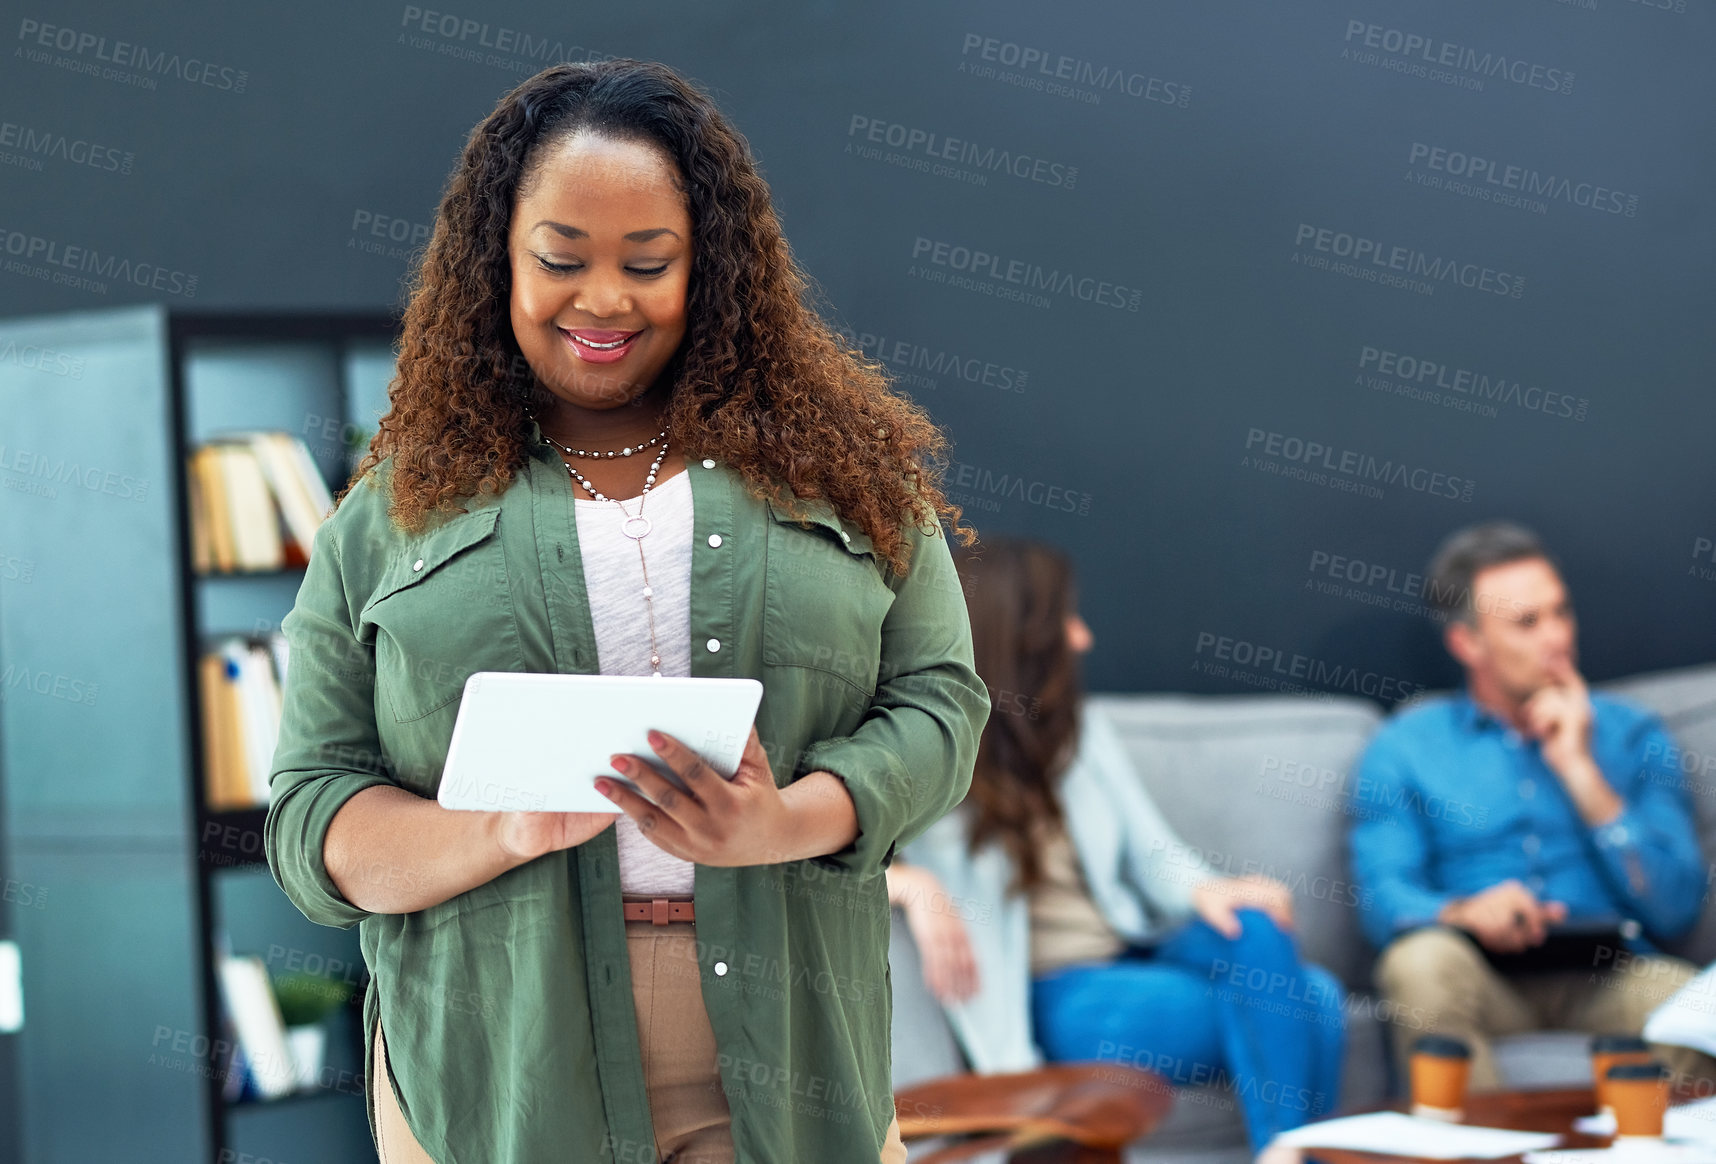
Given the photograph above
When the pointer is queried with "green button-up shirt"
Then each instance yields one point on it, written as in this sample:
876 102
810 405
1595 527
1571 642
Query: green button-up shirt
508 1009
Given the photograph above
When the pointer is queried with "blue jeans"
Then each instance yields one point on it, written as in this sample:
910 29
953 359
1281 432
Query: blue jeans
1202 1009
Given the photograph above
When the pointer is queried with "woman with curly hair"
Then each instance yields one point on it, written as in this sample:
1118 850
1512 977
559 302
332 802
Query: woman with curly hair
607 319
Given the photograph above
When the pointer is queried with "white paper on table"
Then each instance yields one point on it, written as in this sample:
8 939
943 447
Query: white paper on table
1395 1134
1691 1121
1694 1121
1688 1018
1637 1152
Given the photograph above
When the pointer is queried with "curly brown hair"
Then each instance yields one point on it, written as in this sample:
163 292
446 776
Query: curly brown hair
761 381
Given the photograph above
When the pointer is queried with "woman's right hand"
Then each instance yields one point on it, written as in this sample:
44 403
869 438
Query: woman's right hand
525 836
944 948
1219 900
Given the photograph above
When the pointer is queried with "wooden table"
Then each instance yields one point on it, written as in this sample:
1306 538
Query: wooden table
1520 1111
1061 1113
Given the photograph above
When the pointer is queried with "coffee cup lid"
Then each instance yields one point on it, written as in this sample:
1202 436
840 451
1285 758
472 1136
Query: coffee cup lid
1442 1047
1613 1044
1651 1070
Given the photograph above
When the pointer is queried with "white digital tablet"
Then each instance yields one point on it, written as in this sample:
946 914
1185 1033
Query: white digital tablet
527 742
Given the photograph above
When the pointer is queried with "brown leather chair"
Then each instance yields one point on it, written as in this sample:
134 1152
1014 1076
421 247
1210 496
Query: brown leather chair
1062 1113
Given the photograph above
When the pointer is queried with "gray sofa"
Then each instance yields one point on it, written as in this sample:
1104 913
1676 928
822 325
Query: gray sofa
1264 783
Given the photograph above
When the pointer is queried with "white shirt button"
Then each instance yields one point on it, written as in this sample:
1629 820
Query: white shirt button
720 969
715 539
1534 883
1527 789
1531 844
708 464
713 645
418 564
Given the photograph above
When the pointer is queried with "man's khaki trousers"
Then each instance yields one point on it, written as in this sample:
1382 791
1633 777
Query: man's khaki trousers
1436 980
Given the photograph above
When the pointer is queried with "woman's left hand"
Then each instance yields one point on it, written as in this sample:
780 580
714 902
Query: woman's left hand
714 821
1219 900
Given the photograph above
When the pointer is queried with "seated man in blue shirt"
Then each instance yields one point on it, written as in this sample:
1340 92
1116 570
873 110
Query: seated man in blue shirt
1521 804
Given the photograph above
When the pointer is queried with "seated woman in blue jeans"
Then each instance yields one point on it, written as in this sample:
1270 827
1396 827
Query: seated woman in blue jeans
1100 935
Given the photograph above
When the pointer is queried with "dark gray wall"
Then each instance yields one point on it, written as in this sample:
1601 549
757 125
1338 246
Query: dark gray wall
1128 427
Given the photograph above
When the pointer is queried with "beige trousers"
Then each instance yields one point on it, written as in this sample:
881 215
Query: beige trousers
1437 980
686 1102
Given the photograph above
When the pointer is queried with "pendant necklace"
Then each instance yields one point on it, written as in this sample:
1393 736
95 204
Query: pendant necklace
635 526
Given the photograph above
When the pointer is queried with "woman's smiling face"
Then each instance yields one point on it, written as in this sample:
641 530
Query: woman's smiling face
601 251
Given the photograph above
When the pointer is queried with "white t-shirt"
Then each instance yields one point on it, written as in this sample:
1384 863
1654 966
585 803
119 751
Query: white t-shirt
614 580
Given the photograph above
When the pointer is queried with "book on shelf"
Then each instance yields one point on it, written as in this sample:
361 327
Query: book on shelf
240 687
261 1053
256 499
226 1059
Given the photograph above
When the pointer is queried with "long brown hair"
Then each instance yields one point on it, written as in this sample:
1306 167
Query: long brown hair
760 382
1020 594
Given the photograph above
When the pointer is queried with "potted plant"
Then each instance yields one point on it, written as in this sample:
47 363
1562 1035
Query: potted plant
306 1000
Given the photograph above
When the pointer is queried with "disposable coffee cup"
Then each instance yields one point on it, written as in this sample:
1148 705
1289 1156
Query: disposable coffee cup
1608 1051
1440 1067
1639 1093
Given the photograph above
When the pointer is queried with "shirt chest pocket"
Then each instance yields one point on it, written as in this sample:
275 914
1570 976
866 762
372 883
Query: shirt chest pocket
825 600
442 610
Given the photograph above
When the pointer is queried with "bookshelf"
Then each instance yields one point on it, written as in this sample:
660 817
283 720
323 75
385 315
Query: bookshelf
101 761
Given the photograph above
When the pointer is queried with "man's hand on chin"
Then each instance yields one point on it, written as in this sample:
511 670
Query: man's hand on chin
1559 718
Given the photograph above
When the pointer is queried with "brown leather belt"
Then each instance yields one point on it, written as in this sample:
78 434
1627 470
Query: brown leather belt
660 910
